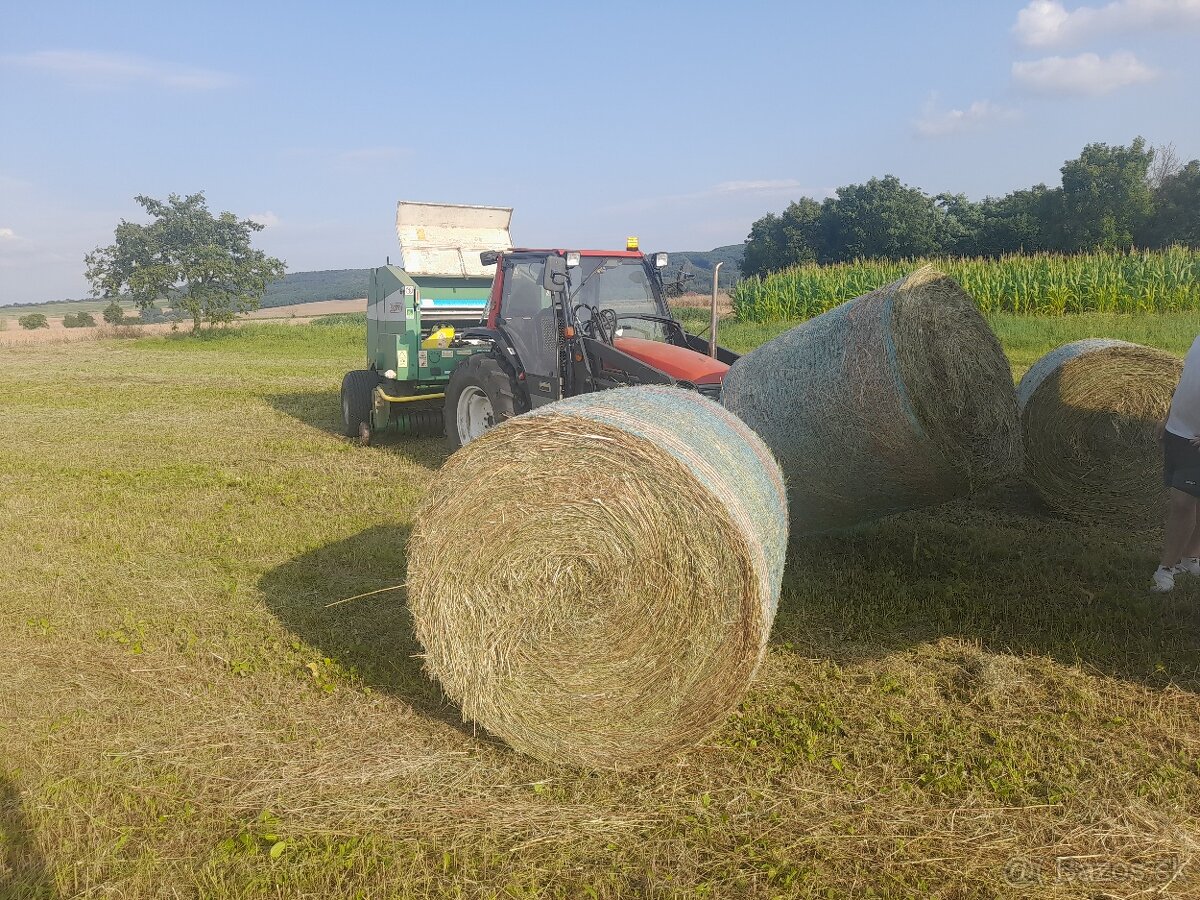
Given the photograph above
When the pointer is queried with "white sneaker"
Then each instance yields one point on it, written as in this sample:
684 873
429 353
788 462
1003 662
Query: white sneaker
1164 580
1189 565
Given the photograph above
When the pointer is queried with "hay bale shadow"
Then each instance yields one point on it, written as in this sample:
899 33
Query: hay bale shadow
23 874
1020 582
322 411
372 636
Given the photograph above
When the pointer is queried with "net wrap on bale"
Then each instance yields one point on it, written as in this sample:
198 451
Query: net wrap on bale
1088 413
595 581
897 399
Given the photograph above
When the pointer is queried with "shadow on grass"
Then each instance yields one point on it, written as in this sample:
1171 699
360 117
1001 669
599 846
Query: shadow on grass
373 635
322 410
1017 581
23 873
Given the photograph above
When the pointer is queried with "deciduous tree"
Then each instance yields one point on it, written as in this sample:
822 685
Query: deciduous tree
1106 196
204 264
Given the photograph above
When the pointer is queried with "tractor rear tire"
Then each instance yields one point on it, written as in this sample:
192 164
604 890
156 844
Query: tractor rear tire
480 394
357 388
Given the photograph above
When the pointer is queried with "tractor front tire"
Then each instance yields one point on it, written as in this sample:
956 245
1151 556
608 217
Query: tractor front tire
480 394
356 401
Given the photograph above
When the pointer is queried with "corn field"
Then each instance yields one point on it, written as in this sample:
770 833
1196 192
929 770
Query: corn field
1042 284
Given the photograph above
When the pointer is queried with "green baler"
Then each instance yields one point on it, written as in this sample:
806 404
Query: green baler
442 282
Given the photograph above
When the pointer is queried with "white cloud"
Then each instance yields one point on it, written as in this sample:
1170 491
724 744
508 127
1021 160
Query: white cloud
82 68
1086 73
762 186
1047 23
935 122
266 219
7 234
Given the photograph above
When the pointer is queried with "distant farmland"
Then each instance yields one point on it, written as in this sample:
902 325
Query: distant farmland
299 287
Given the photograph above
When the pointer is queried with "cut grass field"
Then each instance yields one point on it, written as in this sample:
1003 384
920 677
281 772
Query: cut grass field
976 701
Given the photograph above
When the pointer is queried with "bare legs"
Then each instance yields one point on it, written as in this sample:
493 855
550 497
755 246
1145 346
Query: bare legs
1182 537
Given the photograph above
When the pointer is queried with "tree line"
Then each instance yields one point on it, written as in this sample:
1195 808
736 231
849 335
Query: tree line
1111 197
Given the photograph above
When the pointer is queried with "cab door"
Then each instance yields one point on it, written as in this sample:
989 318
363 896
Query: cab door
531 324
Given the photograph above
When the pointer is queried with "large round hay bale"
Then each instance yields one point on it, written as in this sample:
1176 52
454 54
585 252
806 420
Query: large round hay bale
1088 412
897 399
595 581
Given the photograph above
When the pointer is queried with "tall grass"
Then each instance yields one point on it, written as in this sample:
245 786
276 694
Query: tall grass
1043 284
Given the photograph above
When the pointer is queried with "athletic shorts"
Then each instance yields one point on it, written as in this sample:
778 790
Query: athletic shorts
1181 464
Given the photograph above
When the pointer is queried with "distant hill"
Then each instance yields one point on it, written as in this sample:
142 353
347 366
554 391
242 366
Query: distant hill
700 264
350 284
298 287
307 287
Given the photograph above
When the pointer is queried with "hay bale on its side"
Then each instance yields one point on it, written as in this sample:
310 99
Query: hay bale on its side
897 399
595 581
1088 412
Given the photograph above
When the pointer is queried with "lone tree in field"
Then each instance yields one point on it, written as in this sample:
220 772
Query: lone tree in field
204 265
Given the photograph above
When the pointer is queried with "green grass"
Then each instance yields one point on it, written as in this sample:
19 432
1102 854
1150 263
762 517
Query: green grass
1040 284
183 714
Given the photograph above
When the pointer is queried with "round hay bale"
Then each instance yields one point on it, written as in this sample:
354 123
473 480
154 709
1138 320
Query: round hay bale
595 581
897 399
1088 412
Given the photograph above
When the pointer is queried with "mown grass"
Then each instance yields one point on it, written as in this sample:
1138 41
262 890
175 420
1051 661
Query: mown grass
968 702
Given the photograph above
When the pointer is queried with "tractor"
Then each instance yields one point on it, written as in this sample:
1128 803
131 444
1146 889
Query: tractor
470 331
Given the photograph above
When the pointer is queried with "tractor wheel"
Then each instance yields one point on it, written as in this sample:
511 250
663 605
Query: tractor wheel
481 393
356 401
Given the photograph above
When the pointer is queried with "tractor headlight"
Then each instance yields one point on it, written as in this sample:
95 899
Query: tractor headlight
660 260
572 258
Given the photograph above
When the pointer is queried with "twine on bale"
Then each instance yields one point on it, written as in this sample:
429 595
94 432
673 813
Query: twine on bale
897 399
1088 412
595 581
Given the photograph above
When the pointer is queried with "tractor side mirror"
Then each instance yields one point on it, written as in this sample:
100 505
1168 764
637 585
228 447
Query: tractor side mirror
554 276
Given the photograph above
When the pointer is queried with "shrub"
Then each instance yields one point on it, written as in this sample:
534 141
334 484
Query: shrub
32 321
79 320
113 314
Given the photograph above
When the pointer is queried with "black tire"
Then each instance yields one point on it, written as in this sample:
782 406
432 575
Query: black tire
356 400
487 374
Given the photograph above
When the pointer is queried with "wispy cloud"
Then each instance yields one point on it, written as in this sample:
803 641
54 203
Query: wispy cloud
727 190
1085 74
7 234
935 122
266 219
1047 23
371 154
88 69
761 186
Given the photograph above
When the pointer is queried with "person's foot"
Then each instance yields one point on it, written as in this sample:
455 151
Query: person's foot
1164 580
1189 565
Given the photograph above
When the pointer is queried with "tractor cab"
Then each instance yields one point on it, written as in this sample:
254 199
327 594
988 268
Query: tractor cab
570 322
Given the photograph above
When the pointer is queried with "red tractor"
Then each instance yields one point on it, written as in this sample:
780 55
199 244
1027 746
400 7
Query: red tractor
567 322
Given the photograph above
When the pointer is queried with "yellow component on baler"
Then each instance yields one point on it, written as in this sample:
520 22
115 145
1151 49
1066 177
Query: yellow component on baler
439 339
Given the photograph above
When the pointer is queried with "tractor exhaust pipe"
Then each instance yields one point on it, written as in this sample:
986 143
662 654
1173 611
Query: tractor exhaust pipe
712 321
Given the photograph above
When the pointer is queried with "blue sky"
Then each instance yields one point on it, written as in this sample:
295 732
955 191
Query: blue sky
316 117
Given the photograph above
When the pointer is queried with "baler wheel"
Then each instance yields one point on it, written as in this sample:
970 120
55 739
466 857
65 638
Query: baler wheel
356 401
